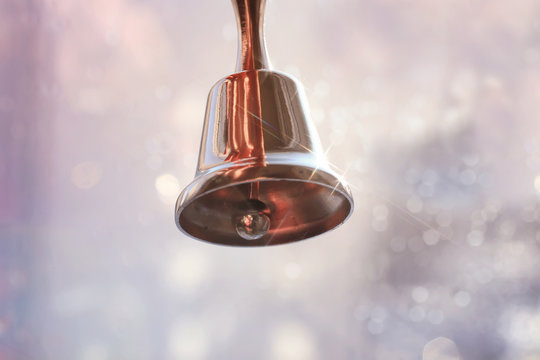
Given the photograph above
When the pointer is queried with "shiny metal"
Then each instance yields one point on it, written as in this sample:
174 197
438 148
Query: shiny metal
252 53
262 178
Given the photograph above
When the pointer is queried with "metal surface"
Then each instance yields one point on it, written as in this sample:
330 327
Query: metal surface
262 178
251 47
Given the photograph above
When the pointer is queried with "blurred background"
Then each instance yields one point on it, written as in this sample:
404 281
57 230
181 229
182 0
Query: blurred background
429 108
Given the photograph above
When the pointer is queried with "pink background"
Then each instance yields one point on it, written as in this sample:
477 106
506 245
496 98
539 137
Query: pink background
430 108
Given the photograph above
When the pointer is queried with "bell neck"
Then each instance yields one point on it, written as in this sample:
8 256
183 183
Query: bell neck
252 53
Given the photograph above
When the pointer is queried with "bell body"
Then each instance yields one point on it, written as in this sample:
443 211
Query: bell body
262 178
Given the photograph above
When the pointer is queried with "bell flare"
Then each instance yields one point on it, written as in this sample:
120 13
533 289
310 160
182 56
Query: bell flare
252 205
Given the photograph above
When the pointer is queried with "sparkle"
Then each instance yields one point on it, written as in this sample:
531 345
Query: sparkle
441 348
420 294
462 298
431 237
537 184
293 270
415 204
86 174
291 340
475 238
168 187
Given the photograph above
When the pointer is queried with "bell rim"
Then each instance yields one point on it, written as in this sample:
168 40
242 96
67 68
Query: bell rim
340 187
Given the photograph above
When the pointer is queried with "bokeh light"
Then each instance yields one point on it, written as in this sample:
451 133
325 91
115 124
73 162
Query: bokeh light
427 108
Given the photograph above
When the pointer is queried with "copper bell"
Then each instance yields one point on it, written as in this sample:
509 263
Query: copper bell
262 178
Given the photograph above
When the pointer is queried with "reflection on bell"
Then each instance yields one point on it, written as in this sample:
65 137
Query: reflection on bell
262 177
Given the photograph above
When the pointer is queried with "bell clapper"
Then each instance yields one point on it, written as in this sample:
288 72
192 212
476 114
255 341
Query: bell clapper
253 223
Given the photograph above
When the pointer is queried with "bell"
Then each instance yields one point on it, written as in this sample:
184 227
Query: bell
262 177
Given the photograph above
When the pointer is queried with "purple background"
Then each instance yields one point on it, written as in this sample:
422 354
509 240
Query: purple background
430 108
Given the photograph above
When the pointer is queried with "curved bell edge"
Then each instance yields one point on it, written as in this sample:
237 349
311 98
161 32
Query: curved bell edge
299 201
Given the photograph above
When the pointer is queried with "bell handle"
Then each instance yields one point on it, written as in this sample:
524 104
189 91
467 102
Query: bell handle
252 53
